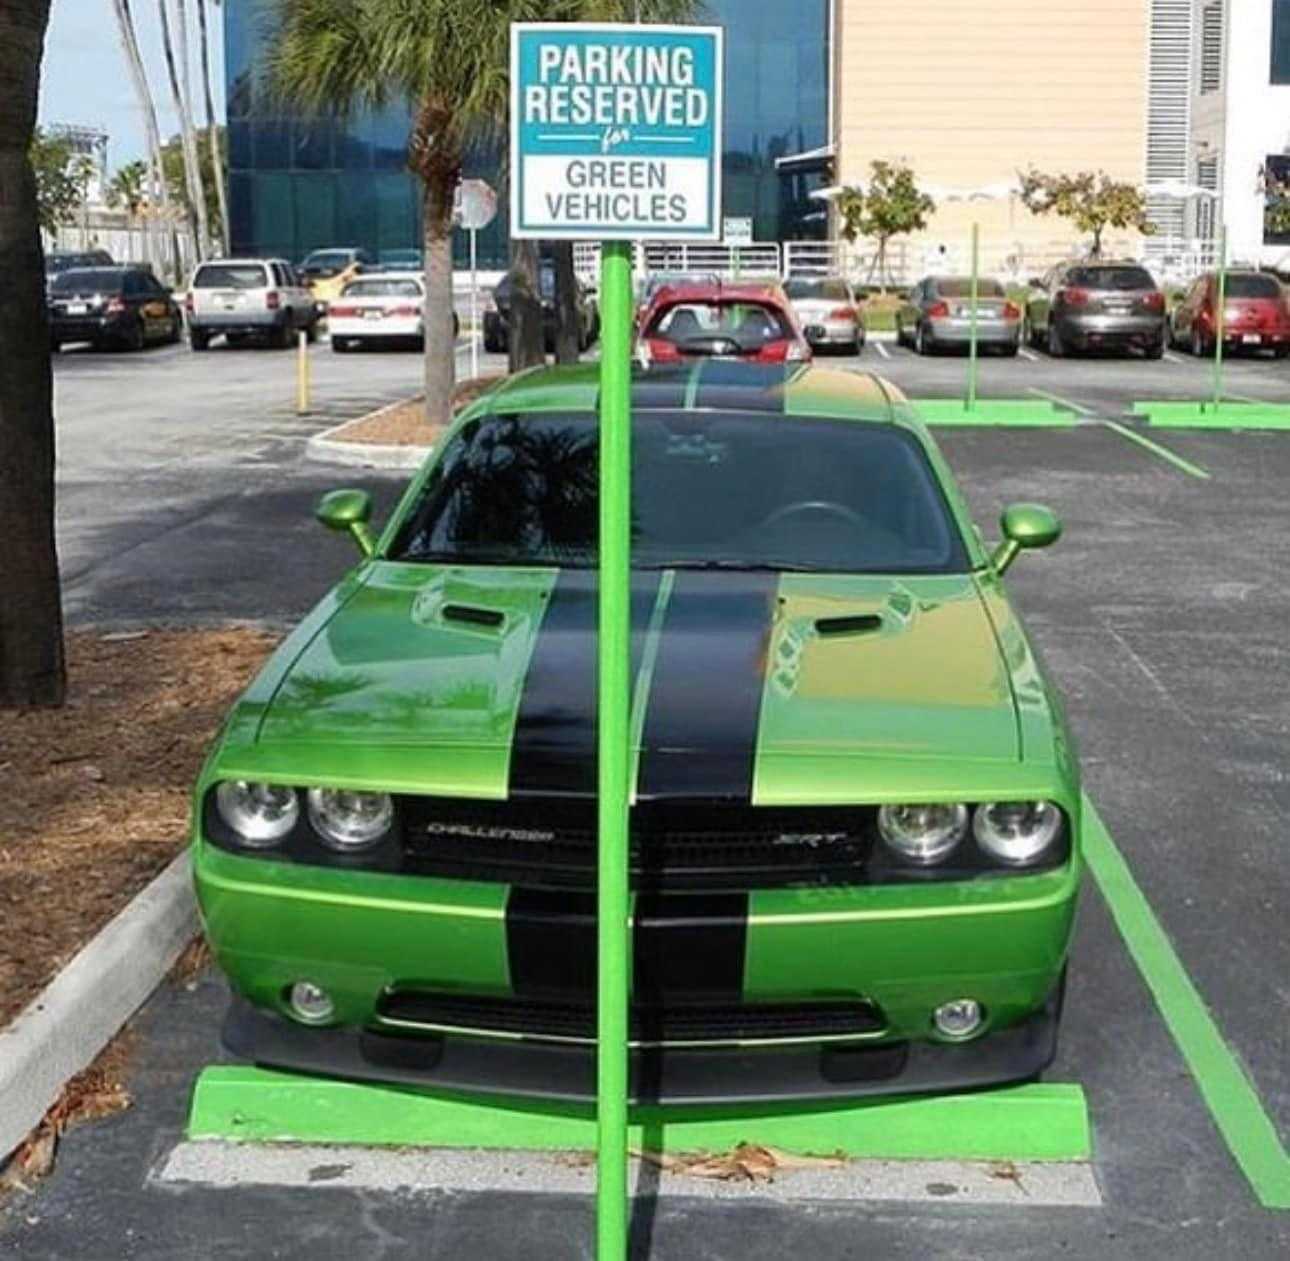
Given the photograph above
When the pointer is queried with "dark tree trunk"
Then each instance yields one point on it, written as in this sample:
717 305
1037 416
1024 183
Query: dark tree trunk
525 346
31 625
568 323
440 345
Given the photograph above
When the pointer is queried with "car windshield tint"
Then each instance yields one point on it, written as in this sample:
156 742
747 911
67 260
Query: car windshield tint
821 290
382 289
1110 278
1253 285
749 325
709 490
962 288
328 258
230 276
87 282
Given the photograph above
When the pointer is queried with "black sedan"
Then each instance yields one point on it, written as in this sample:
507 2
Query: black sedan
127 307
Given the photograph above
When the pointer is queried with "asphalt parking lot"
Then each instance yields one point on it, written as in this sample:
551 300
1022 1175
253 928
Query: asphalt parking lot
1162 613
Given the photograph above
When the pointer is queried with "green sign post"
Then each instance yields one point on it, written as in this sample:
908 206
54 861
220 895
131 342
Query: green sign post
615 134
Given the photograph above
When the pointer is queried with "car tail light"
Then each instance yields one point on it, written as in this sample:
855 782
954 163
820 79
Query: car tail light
773 352
842 313
662 351
938 310
404 311
1011 311
114 306
1073 297
271 300
342 311
1154 302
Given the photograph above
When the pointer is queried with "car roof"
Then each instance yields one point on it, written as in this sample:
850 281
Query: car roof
720 291
801 390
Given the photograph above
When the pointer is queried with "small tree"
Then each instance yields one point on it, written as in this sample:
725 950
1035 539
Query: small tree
1091 200
1276 203
893 205
62 175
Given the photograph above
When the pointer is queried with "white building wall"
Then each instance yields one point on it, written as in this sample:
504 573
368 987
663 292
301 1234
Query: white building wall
1251 122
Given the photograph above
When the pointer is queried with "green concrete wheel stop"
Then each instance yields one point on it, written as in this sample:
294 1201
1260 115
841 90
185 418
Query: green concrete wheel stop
1208 416
1018 413
1031 1122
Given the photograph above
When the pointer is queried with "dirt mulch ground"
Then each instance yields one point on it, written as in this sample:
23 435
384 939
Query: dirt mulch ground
404 424
94 796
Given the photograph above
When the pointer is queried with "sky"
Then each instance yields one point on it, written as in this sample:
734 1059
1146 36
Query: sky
85 80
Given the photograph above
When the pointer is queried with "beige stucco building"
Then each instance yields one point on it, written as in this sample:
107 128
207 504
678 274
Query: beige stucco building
968 94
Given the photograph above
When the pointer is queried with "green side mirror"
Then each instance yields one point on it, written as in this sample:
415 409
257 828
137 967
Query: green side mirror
1025 526
348 510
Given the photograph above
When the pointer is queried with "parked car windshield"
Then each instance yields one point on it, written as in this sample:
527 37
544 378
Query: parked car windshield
382 288
822 290
328 258
961 287
1253 285
230 276
87 280
749 324
1110 278
709 490
410 259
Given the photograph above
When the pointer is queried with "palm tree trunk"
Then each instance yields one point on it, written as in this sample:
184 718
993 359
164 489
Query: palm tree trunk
524 337
212 133
32 669
190 131
568 325
196 203
440 345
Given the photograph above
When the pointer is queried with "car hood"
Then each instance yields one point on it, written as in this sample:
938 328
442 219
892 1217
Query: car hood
481 681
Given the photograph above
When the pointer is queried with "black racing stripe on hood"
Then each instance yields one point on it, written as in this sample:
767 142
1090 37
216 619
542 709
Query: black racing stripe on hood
700 733
553 747
742 387
685 947
661 389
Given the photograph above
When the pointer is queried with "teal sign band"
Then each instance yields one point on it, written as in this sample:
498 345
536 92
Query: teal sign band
616 131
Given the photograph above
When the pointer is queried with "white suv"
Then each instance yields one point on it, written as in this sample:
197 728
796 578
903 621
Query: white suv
248 298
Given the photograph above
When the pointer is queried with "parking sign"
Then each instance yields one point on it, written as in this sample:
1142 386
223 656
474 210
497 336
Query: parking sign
615 131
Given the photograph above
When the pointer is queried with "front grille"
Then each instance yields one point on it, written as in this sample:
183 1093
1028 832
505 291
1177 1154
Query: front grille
696 1025
690 845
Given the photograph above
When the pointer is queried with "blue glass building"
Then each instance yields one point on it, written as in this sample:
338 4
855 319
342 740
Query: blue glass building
297 184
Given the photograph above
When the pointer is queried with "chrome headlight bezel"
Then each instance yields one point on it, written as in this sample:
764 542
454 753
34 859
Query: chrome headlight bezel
927 841
243 806
1046 831
344 829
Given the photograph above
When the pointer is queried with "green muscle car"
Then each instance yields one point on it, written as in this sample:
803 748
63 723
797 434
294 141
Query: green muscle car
855 801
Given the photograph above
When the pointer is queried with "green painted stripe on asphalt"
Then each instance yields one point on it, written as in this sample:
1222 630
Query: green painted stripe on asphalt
1242 414
1228 1092
1193 470
645 676
1009 413
1034 1122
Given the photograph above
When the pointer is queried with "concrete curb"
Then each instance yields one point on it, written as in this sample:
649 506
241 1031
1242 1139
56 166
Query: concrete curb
61 1031
325 448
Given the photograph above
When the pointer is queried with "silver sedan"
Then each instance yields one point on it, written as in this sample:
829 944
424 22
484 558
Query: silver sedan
827 310
937 312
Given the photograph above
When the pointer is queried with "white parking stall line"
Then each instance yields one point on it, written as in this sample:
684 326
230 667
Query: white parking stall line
882 350
1063 402
1171 357
947 1183
1028 354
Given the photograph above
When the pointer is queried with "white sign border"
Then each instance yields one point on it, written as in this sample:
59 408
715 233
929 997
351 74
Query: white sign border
713 234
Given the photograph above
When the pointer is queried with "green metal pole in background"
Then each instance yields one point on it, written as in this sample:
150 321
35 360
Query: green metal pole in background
613 708
1220 318
972 346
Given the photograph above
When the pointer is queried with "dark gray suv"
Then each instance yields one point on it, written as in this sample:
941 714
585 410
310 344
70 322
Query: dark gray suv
1096 306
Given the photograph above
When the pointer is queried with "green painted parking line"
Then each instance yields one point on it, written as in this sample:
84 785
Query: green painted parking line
1192 470
1246 414
1039 1121
1228 1092
1015 413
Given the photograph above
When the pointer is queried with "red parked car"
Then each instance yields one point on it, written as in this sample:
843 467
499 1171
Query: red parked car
1256 315
752 323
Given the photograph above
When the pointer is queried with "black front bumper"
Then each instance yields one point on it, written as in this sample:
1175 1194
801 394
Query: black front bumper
677 1076
89 329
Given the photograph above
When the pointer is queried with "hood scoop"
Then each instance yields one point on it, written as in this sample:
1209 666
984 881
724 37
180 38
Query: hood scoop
472 615
850 624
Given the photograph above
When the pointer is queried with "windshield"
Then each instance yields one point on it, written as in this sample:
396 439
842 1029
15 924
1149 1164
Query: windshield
1110 278
1253 285
962 288
821 290
328 258
382 289
693 324
230 276
86 281
401 258
709 490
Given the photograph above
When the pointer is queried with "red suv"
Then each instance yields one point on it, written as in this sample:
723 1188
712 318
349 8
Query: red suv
1256 314
752 323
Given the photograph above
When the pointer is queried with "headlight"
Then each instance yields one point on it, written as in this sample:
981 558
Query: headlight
923 834
260 814
350 821
1016 832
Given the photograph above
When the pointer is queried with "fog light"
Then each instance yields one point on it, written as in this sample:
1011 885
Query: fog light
310 1003
960 1018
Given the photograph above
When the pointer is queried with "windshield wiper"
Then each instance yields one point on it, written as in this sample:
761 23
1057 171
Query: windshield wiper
737 566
